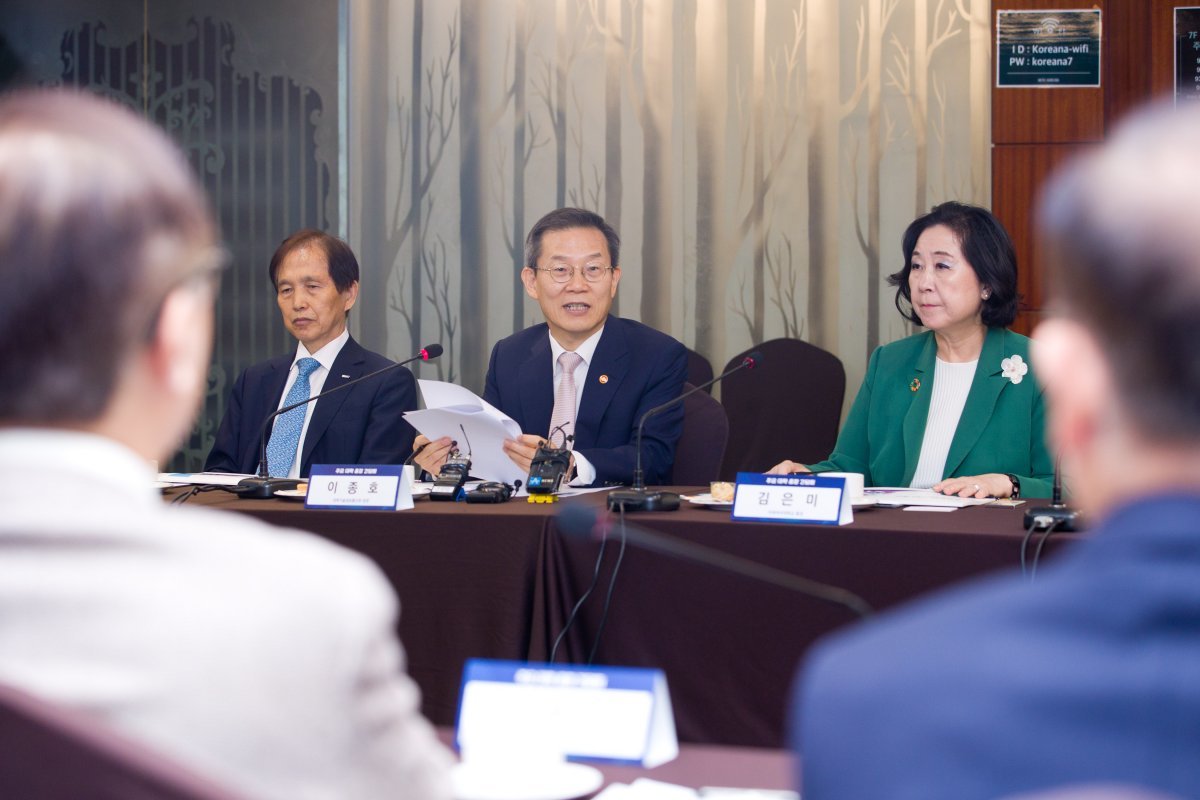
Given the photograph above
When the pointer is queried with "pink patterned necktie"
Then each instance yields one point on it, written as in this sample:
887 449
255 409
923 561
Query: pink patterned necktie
564 401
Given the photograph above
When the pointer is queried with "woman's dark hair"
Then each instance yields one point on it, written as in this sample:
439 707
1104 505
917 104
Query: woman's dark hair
343 266
987 248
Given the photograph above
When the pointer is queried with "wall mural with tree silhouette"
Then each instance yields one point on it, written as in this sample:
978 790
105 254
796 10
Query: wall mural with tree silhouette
760 158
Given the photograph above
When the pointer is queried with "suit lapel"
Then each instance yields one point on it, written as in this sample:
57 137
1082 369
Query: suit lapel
919 388
610 361
536 387
349 363
986 387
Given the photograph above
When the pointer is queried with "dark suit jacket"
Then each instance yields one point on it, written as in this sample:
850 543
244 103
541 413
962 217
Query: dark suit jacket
359 425
1089 674
644 368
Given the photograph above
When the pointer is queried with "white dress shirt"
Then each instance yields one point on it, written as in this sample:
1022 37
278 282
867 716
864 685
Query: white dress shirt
263 658
585 472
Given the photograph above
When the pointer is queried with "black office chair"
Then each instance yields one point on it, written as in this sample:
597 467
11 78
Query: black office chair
54 753
789 406
702 444
699 370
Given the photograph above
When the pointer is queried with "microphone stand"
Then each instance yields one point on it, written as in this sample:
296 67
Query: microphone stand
262 486
1058 515
639 498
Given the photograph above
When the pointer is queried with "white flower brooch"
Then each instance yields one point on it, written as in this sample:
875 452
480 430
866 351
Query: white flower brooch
1014 368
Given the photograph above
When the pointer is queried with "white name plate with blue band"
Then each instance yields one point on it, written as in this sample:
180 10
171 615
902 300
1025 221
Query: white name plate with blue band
792 498
381 487
619 715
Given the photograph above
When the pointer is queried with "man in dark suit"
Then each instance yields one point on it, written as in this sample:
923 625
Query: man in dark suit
1088 674
582 377
315 276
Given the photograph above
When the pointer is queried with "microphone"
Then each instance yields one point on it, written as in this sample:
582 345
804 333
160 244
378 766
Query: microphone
262 485
582 521
1058 515
637 498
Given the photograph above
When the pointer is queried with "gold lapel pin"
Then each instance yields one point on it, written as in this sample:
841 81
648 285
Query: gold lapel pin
603 379
916 384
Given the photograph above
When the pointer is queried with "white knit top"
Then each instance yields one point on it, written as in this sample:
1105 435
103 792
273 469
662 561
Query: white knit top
951 384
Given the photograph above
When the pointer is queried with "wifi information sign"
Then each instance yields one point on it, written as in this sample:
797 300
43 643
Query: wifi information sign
1048 49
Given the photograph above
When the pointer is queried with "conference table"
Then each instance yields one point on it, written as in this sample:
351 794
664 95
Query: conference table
499 581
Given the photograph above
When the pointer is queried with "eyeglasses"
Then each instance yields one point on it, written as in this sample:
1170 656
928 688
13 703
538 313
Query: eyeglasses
561 273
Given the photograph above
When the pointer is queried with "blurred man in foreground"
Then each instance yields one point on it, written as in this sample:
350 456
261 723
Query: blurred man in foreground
1089 674
262 659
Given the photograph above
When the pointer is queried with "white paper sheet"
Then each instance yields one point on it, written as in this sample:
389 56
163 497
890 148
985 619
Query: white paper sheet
896 496
202 478
479 428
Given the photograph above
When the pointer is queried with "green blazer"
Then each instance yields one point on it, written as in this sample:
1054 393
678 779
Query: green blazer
1002 428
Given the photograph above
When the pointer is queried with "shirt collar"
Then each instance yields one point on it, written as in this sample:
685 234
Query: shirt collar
585 351
327 354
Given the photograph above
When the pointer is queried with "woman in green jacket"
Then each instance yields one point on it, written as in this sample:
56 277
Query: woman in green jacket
955 408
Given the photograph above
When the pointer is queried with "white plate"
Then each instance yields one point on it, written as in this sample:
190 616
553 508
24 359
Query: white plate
542 782
864 502
706 500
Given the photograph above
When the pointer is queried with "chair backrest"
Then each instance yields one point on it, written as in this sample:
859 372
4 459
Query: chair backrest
702 444
54 753
789 406
699 370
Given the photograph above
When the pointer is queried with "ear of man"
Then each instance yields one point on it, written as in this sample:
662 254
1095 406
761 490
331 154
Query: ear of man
1078 384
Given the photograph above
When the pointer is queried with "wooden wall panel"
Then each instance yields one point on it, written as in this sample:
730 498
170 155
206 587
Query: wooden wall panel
1045 115
1018 172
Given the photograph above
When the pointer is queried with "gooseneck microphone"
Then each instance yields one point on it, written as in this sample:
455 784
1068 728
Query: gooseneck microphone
638 498
262 485
582 521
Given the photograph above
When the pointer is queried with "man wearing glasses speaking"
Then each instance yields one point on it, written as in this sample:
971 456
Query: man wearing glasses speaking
582 373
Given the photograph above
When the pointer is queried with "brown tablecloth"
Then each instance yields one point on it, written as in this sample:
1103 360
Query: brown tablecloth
498 581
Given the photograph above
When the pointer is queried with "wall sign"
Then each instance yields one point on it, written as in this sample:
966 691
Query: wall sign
1187 54
1048 49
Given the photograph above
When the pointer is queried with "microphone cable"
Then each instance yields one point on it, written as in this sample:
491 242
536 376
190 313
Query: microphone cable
608 597
1050 525
582 599
1037 553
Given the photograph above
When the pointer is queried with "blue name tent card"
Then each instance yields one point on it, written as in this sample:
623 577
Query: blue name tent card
801 497
377 487
617 715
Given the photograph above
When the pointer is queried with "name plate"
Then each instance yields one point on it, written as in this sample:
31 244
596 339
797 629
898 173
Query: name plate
619 715
383 487
805 498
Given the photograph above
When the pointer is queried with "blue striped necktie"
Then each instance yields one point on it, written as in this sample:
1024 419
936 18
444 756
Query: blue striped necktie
285 436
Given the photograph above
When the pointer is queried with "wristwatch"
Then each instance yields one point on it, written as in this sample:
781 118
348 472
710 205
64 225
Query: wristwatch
1016 482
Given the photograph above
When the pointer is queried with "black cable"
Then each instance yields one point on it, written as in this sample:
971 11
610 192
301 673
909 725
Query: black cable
196 489
608 597
579 604
1025 544
1037 553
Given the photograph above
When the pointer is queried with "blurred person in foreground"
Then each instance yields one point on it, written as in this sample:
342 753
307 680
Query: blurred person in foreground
1088 674
955 408
262 659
